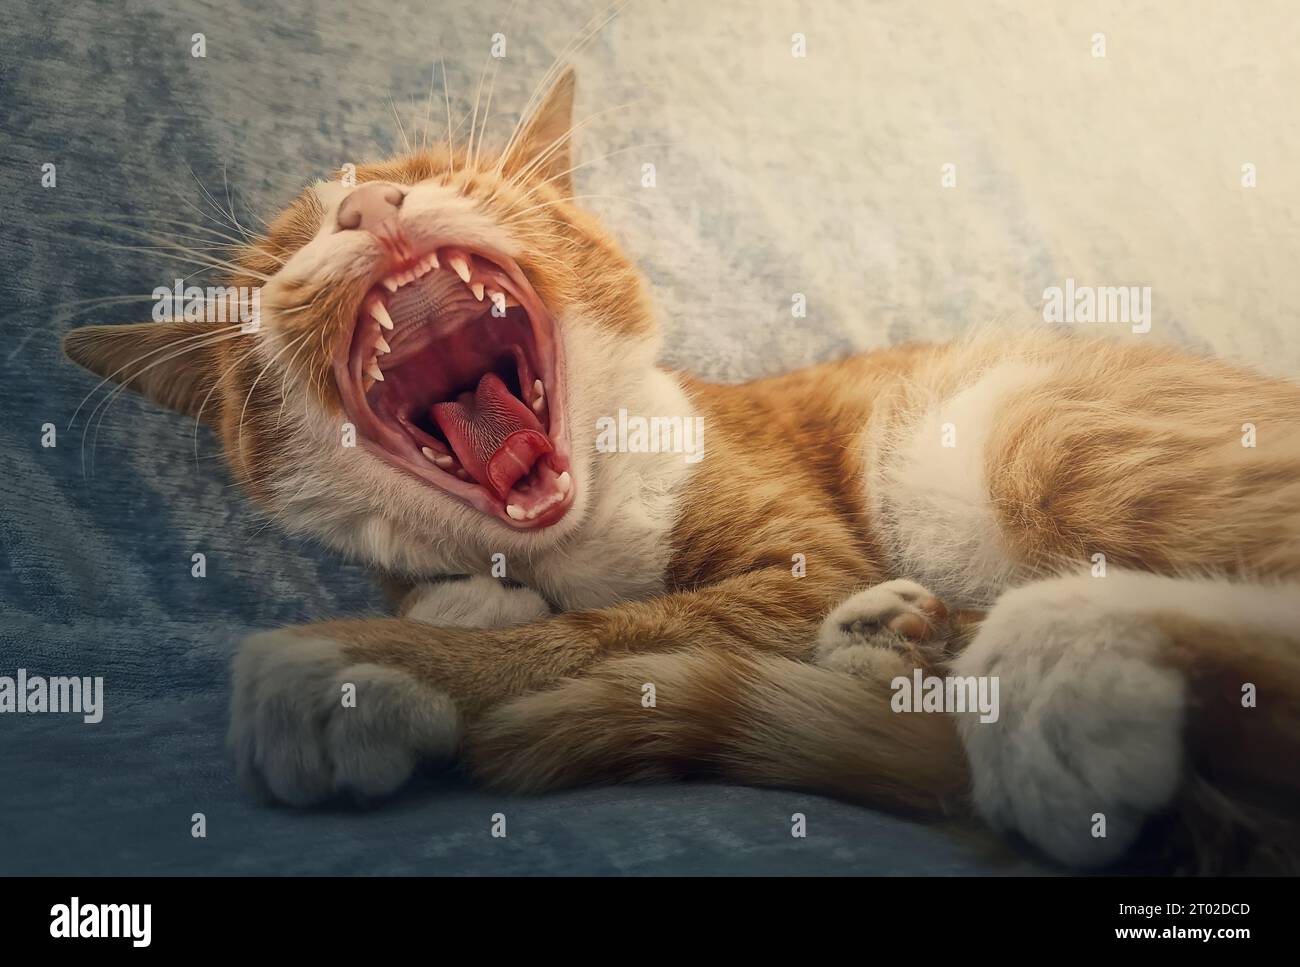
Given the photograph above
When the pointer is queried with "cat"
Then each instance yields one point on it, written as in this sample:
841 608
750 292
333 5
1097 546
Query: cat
1073 518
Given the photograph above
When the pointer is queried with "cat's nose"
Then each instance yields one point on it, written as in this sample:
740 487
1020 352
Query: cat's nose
369 205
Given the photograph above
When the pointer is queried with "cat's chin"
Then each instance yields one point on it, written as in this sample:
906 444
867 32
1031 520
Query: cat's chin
454 373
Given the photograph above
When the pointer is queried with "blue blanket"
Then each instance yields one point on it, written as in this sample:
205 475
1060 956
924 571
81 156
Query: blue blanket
765 185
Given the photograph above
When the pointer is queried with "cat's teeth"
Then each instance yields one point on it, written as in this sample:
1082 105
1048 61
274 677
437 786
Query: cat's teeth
477 289
498 301
366 383
515 511
538 388
441 459
460 267
406 278
374 371
382 345
432 260
538 404
391 284
380 313
564 481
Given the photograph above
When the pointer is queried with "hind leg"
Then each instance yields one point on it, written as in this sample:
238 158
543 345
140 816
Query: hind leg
892 627
1131 695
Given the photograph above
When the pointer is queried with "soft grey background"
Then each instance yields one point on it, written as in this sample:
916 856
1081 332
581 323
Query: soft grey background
775 175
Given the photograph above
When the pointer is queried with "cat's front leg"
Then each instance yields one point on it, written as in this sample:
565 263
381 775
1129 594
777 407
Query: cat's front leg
309 721
292 736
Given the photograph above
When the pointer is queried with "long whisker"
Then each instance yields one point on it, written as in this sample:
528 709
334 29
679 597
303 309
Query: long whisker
103 406
584 36
604 157
111 377
540 158
560 201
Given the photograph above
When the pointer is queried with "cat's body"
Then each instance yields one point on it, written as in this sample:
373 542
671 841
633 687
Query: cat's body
1140 564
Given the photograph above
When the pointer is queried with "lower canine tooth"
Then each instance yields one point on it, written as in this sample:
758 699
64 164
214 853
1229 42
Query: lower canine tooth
429 454
516 512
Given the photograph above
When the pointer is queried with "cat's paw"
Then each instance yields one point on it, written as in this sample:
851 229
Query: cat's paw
307 724
1088 741
886 630
474 602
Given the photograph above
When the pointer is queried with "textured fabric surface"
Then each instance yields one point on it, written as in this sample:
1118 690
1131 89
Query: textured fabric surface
774 175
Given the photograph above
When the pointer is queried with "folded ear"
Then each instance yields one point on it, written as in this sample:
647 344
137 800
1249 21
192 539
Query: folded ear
544 141
172 363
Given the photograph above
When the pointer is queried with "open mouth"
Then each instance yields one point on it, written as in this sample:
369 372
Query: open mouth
453 373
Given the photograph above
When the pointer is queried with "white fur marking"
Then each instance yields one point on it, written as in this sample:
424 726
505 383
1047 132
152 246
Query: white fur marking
293 737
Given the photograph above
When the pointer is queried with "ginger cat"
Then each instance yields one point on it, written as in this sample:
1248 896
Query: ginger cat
471 327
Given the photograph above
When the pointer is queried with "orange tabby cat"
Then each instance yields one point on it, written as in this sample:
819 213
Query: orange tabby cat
448 350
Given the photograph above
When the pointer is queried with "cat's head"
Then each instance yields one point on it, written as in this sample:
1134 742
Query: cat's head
428 337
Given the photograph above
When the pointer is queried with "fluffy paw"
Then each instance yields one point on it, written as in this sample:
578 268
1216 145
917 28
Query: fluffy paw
890 627
300 735
1090 722
474 602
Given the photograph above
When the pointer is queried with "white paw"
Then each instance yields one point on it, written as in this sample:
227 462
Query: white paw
872 620
299 733
1090 722
475 602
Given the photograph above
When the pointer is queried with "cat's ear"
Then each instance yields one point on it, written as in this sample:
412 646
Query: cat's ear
171 363
543 145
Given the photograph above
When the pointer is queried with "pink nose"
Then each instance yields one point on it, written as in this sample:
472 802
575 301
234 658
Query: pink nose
369 204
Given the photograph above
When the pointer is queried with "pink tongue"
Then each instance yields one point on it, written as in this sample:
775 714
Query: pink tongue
494 435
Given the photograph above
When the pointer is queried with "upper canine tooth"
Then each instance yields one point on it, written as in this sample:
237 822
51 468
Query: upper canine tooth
477 289
433 260
372 369
515 511
460 267
382 345
380 312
